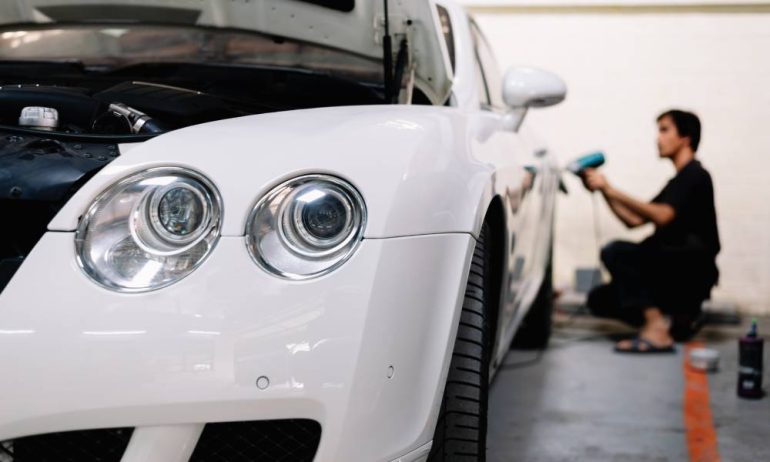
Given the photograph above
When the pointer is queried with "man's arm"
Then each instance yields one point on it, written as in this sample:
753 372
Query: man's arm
659 214
629 218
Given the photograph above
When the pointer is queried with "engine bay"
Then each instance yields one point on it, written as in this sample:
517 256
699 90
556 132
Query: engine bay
66 101
37 176
79 111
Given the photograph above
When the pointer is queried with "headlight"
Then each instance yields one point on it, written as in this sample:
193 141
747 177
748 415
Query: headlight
306 227
149 230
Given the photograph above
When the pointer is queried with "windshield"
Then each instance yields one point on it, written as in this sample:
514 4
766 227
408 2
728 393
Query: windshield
111 46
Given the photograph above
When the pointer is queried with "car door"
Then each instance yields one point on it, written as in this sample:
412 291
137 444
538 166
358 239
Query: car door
525 200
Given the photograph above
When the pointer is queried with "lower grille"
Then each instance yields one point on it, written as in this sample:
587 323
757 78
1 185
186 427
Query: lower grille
106 445
293 440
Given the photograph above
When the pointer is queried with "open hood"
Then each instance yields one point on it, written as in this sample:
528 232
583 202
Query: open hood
356 26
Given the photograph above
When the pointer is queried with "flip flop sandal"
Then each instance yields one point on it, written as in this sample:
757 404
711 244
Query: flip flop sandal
642 346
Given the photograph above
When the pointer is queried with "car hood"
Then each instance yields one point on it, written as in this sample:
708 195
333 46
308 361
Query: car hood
351 25
409 163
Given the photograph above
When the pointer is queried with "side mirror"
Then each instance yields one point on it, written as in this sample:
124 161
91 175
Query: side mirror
526 87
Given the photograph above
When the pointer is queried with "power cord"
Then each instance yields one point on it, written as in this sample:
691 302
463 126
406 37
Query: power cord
571 319
597 226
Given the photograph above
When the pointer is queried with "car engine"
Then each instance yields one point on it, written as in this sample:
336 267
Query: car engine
124 109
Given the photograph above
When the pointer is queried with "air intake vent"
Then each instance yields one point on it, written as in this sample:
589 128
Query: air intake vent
106 445
259 441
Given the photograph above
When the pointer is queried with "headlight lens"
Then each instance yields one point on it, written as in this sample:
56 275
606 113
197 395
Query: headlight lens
149 230
306 227
181 210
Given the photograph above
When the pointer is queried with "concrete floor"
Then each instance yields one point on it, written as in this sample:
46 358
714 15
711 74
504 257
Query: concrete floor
579 401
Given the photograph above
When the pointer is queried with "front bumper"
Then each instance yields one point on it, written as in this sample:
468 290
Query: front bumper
363 351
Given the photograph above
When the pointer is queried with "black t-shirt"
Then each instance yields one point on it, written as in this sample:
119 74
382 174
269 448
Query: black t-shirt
694 228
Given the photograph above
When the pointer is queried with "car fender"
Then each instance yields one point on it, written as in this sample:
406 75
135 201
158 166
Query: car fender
417 168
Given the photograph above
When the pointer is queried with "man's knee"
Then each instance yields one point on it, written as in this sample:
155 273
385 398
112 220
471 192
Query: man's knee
614 251
602 299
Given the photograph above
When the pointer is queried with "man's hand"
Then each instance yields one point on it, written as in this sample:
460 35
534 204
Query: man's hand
594 180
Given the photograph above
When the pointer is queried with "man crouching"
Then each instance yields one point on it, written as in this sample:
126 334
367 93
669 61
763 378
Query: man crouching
673 271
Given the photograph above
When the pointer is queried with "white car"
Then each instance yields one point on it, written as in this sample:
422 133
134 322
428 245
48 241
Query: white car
252 230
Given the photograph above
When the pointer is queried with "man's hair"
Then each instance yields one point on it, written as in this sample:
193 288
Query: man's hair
687 125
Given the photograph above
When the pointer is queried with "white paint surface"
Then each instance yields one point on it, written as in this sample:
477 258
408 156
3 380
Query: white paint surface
622 71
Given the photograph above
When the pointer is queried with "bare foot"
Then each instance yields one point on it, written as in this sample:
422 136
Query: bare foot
655 332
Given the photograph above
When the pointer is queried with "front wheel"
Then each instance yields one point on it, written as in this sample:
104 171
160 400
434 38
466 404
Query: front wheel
461 431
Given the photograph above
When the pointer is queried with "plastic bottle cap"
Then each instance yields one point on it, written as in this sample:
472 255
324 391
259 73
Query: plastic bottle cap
753 331
45 118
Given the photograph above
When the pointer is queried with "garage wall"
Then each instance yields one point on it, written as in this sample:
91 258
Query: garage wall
625 62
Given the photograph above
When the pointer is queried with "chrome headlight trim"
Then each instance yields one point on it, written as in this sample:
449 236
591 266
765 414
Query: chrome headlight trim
142 221
278 239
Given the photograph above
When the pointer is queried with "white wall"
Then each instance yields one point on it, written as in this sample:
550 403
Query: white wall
625 66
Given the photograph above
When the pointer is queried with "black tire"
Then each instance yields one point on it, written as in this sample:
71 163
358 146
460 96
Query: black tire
535 330
461 430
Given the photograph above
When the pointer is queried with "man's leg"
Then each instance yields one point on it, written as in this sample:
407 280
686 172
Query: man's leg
655 330
631 266
654 273
682 291
624 296
604 302
681 302
687 322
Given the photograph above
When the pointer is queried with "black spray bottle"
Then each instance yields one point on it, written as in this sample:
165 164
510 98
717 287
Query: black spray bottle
750 364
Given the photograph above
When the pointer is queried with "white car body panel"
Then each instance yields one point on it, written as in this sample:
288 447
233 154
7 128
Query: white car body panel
180 356
171 360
